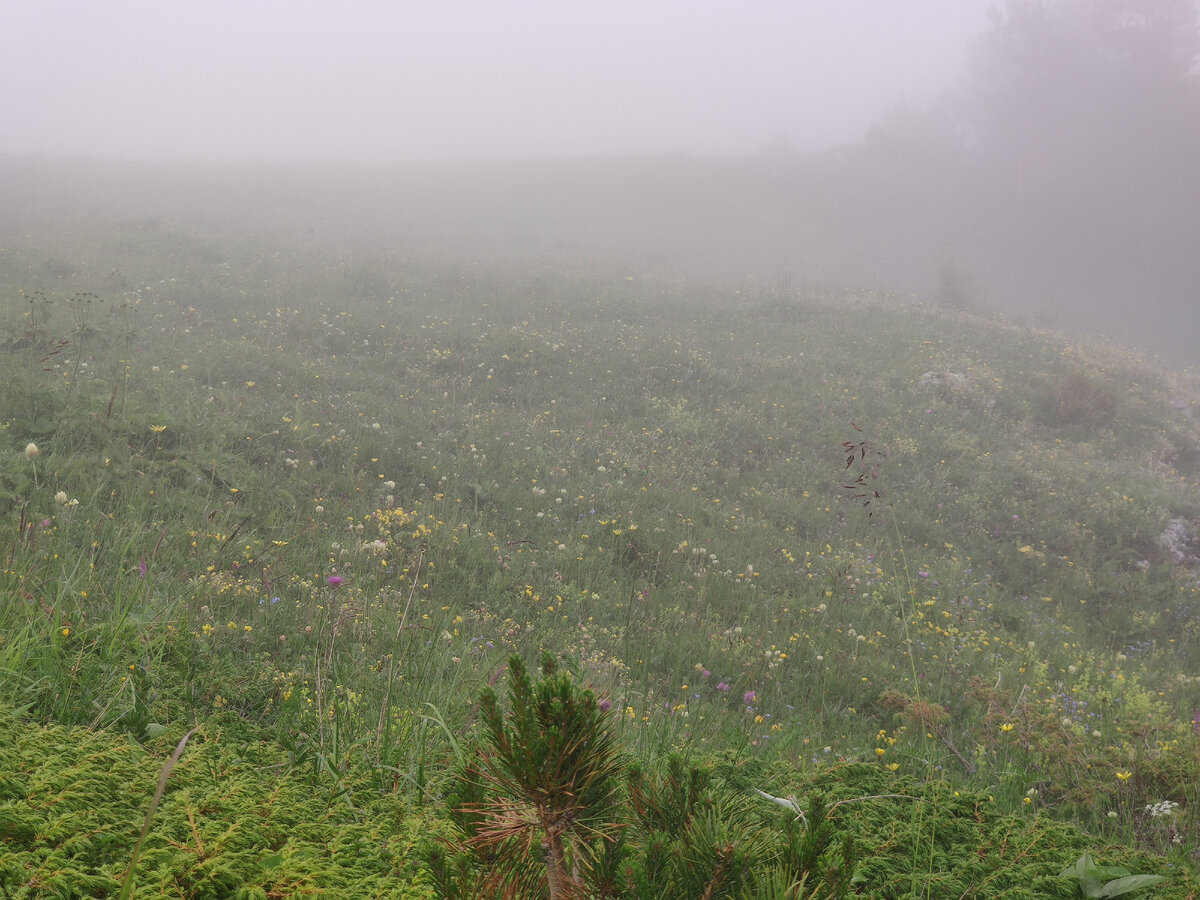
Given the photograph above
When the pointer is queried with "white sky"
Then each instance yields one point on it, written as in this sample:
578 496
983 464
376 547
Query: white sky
372 80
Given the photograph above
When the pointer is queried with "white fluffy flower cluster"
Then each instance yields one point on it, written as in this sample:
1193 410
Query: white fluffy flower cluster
1161 808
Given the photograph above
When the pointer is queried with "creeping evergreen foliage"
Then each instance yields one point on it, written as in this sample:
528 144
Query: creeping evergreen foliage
235 821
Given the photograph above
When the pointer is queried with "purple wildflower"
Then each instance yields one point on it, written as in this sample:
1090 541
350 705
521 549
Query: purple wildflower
335 580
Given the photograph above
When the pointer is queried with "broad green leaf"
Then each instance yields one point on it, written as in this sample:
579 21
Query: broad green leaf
153 730
1129 884
1091 881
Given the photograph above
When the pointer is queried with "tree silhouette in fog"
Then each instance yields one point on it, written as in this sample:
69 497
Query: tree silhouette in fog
1081 124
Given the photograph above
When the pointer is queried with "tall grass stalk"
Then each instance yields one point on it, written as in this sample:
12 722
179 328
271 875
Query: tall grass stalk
127 880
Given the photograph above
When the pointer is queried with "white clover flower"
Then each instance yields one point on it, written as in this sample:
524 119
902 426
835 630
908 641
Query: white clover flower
61 498
31 450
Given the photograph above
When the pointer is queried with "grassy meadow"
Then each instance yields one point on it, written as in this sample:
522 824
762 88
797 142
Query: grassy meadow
303 506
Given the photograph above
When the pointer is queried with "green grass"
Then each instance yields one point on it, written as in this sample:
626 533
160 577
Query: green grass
329 515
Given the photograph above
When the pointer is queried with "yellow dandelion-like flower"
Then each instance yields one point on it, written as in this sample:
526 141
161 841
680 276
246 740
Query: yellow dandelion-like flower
1124 776
1006 727
158 429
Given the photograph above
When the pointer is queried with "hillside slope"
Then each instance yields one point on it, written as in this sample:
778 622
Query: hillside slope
331 497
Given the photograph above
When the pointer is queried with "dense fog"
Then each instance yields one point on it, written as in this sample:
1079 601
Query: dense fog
1041 161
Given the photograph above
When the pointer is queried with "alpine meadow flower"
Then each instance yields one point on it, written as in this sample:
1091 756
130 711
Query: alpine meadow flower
31 452
1160 809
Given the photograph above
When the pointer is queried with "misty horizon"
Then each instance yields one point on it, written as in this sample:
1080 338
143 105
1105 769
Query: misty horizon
1037 159
380 82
